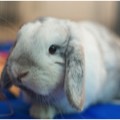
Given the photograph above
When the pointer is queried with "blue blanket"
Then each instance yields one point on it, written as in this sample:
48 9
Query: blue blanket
20 110
17 108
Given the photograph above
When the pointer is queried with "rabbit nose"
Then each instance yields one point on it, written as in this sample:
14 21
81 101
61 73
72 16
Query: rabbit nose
22 75
15 75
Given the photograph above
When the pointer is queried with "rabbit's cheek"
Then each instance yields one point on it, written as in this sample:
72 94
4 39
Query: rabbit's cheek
43 83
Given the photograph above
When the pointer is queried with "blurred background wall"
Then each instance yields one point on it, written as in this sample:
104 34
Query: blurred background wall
14 14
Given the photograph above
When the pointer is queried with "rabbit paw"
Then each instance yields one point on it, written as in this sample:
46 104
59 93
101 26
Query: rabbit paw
42 112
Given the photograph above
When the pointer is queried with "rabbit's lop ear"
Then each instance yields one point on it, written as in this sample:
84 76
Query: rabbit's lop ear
74 76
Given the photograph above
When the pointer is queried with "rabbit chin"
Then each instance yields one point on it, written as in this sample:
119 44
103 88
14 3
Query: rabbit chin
43 90
43 85
52 96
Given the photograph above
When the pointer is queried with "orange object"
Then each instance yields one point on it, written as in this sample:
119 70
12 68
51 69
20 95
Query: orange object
14 90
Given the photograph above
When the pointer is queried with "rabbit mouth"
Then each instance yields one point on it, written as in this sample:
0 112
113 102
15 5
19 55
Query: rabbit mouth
34 97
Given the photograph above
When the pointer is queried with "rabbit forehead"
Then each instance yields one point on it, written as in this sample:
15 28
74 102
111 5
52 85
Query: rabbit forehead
39 33
37 38
34 38
29 29
52 31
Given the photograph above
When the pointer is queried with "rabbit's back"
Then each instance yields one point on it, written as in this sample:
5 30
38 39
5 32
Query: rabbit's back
102 63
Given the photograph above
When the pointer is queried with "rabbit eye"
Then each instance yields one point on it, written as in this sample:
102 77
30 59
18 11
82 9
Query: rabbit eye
53 49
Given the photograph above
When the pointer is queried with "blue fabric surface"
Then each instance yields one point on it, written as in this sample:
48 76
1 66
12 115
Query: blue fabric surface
21 109
5 46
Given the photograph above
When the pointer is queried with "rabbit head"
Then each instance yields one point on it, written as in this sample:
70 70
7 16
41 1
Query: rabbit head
47 55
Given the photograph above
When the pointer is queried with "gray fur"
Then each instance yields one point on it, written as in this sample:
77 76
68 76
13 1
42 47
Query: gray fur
74 78
83 71
42 19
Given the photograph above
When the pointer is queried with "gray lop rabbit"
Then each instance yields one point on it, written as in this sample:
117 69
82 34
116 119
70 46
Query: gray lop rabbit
64 66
